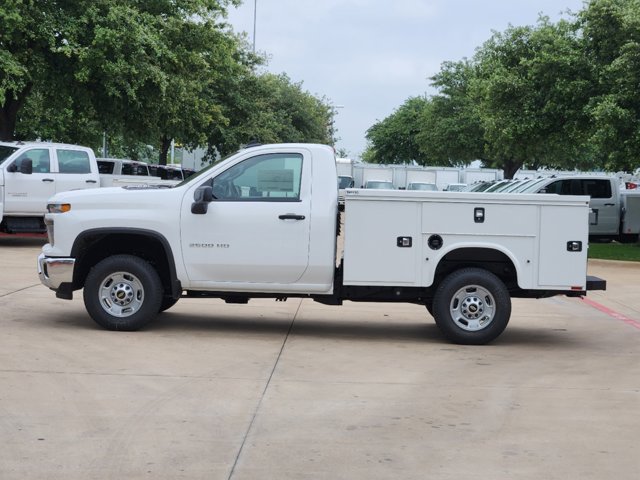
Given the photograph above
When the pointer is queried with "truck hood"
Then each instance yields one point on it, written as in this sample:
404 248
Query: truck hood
117 197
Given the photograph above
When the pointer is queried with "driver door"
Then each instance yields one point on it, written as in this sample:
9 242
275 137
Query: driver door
256 230
27 194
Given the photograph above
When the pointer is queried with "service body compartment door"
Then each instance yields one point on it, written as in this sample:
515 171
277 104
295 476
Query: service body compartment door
563 262
382 242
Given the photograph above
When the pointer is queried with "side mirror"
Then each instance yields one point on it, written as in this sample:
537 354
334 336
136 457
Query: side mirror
26 166
201 200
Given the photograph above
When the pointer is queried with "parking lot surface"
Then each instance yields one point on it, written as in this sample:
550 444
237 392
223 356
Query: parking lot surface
298 390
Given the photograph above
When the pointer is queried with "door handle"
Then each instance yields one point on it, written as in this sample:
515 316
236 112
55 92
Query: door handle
291 216
609 204
47 179
90 181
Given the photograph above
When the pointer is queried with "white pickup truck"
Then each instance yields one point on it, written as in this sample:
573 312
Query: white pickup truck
119 172
615 213
265 223
31 172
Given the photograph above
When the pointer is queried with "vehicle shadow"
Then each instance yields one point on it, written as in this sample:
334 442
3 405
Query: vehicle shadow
176 323
15 241
329 329
357 330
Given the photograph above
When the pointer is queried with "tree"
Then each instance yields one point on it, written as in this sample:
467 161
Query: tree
269 108
451 132
531 86
121 67
611 30
393 140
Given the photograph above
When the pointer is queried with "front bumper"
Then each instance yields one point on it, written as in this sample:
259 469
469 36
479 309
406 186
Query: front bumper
53 272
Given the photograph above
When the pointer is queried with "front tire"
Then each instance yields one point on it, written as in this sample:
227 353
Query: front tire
472 306
123 292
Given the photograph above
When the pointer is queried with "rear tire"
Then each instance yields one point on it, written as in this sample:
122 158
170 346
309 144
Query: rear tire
472 306
123 292
629 238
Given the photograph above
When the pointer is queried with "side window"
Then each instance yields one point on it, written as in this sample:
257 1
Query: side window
73 161
273 177
127 169
140 169
39 158
105 167
597 188
554 187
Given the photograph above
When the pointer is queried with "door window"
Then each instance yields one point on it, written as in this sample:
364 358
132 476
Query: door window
597 188
593 187
39 158
73 161
272 177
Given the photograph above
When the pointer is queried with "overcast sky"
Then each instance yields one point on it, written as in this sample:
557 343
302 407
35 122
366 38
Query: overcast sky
369 56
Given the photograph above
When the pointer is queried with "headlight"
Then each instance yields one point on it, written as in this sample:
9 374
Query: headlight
49 224
58 207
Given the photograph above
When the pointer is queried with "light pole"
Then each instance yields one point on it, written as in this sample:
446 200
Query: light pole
255 14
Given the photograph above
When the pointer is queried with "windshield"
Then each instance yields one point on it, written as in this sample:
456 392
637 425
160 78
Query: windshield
533 186
431 187
345 181
5 152
379 185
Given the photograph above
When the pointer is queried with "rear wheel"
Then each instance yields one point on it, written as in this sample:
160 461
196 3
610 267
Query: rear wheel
123 292
629 238
472 306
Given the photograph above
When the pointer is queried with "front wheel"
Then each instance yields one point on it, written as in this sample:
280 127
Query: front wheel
123 292
472 306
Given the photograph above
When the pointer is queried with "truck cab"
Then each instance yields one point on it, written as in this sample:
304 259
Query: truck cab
30 173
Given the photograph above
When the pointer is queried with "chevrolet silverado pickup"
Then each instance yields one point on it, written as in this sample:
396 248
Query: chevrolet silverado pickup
265 223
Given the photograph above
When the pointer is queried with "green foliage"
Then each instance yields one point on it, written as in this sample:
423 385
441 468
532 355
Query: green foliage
451 131
531 86
393 140
146 73
558 95
611 30
270 108
615 251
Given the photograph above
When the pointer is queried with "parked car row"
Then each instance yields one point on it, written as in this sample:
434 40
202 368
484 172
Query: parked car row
615 212
118 166
421 186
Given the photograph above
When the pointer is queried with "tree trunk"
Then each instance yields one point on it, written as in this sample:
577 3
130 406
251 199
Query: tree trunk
510 168
9 112
165 144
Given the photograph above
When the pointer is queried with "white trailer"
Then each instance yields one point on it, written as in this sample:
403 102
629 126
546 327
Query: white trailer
420 175
446 176
363 173
475 175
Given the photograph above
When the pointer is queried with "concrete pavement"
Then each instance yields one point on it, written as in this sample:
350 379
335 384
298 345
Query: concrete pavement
298 390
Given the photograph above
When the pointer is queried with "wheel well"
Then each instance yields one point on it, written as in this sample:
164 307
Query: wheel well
94 247
489 259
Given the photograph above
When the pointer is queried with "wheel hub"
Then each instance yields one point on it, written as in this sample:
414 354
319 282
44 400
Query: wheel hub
472 308
122 294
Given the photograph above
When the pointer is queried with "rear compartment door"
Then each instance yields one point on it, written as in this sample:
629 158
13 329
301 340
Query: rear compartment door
560 265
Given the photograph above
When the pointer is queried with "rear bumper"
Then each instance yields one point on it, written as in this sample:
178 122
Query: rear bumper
596 283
